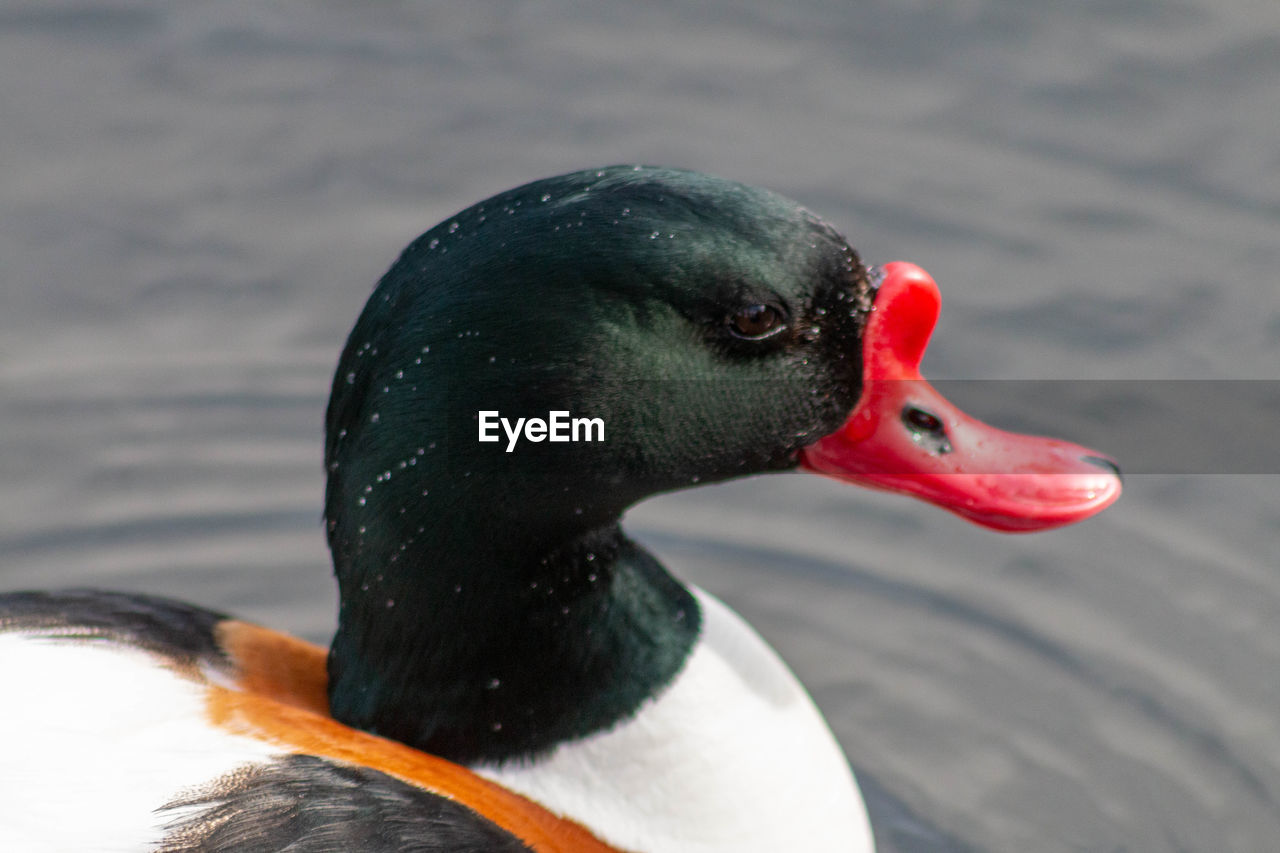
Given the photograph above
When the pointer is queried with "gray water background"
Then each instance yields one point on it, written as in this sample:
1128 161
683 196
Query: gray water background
196 198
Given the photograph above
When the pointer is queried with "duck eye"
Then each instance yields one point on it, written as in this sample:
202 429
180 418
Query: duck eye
756 321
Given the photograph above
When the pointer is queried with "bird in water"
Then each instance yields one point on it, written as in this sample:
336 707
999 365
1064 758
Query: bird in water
510 671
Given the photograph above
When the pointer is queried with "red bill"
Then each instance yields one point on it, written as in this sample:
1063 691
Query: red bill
905 437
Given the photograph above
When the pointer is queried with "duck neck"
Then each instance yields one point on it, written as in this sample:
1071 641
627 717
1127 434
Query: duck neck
476 651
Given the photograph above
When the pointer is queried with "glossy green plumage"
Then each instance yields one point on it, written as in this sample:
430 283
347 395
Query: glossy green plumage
491 606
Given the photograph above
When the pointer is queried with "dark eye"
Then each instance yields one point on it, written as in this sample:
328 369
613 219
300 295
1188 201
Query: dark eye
756 321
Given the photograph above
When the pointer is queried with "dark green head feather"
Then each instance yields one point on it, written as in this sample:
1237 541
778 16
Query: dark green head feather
614 294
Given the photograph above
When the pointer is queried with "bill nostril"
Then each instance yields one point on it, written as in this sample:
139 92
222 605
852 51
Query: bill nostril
1106 464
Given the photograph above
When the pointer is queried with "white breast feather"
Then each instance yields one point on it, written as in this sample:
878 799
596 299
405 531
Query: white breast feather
732 756
97 738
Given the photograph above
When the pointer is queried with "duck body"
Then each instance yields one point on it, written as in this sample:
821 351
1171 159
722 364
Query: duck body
510 670
744 758
210 734
170 727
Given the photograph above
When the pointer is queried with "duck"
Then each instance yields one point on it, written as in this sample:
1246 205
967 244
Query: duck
510 670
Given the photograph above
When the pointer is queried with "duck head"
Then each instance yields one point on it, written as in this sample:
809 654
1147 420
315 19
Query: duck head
713 329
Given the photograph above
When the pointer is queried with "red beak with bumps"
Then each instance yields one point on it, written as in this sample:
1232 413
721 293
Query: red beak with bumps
905 437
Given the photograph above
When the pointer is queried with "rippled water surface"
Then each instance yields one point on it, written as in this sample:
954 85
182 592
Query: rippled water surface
197 198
